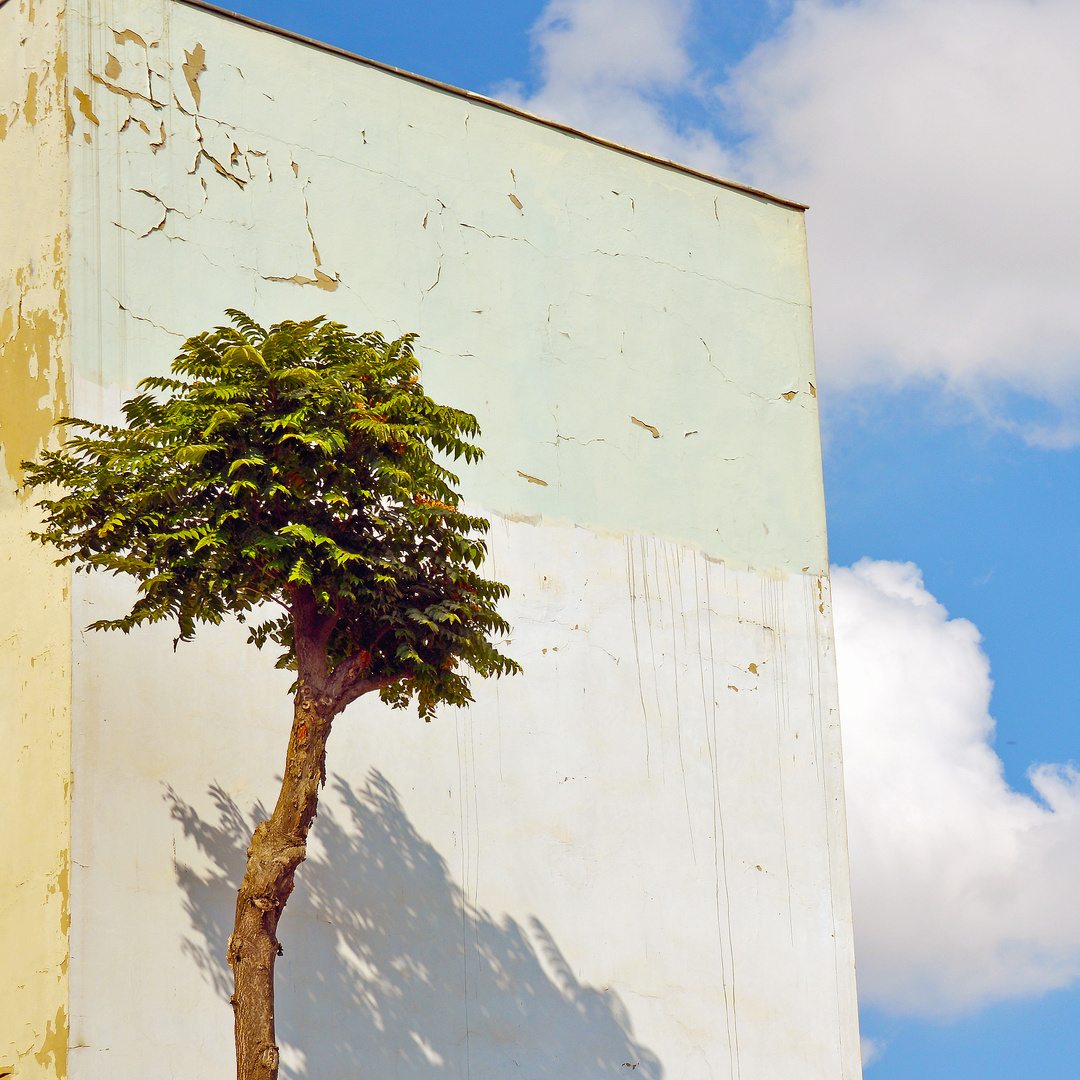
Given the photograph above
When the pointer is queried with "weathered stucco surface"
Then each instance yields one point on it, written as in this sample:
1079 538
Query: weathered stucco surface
633 855
303 183
35 641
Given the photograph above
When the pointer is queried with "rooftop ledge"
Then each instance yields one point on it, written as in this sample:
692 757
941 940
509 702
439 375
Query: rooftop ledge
501 105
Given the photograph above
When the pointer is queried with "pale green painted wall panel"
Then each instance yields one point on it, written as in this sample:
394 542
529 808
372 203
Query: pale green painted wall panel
669 298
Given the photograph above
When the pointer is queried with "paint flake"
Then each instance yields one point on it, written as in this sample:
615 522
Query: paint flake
320 280
532 479
194 66
648 427
128 35
85 107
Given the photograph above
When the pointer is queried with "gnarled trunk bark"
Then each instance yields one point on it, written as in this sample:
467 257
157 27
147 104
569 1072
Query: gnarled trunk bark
278 846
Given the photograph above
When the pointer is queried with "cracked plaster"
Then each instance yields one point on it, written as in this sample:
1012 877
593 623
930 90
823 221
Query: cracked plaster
595 310
466 250
34 597
553 230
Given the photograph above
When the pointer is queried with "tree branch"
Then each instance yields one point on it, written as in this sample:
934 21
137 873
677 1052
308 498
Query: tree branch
347 681
365 686
311 633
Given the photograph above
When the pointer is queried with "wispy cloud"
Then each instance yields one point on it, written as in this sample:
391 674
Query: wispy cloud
872 1049
611 67
964 889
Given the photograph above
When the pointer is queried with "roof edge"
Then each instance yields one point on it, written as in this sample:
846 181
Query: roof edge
480 99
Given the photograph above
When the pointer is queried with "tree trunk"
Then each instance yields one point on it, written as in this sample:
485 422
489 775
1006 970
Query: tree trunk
278 846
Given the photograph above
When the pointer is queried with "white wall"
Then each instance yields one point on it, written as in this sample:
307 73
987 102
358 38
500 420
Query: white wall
635 851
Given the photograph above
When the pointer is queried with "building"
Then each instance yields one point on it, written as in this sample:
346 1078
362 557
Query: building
632 857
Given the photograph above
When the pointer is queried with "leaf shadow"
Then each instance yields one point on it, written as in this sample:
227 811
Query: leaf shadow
389 969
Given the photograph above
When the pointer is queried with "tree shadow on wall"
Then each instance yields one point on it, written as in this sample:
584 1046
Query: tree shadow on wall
389 971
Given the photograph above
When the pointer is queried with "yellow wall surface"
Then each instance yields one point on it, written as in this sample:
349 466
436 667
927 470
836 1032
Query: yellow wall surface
35 639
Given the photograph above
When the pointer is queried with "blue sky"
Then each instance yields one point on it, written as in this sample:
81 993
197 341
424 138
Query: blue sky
935 142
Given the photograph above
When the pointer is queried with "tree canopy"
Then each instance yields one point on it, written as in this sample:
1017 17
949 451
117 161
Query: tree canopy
299 466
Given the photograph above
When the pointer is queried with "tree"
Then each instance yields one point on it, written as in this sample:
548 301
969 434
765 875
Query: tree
288 477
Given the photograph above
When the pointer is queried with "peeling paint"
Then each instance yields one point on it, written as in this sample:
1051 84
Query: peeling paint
34 393
194 66
122 91
54 1045
64 886
627 316
85 107
532 479
307 222
127 123
320 280
128 35
30 108
648 427
218 167
238 180
35 723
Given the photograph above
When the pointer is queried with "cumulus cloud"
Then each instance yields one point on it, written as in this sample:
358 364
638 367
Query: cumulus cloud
935 143
964 889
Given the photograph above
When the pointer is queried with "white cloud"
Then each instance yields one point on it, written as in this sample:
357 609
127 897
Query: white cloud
936 143
964 889
606 66
632 43
872 1049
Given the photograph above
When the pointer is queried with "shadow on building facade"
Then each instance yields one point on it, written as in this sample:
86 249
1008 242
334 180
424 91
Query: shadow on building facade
389 970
